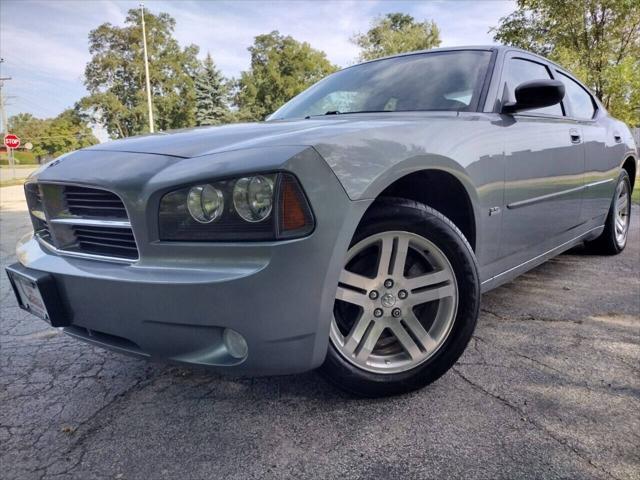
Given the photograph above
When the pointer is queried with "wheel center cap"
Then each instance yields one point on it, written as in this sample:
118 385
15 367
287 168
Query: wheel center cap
388 300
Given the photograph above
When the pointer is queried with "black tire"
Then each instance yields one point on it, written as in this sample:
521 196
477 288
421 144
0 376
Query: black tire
607 243
399 214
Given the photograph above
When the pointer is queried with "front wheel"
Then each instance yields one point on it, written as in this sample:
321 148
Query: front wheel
406 304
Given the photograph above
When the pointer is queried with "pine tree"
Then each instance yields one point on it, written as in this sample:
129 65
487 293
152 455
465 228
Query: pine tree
211 95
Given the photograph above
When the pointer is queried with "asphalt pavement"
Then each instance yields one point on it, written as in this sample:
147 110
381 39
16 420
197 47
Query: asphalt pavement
549 388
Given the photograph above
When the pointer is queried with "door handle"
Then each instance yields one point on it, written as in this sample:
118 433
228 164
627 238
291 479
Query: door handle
575 135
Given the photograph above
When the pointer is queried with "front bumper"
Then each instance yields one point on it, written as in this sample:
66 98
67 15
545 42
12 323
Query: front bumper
177 300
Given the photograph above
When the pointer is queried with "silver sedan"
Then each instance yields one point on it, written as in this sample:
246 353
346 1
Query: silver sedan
353 231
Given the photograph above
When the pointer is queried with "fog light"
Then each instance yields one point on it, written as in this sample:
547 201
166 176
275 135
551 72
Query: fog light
235 343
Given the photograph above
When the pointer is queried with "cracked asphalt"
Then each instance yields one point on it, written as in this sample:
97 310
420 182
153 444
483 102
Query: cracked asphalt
549 388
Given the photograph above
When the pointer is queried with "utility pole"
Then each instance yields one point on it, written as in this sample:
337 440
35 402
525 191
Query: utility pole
146 69
5 125
3 112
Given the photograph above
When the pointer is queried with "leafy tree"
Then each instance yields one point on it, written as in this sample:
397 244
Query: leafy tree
212 92
281 67
116 81
597 40
54 136
28 128
67 132
397 33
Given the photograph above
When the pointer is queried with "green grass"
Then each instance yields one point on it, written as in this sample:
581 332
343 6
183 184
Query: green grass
635 196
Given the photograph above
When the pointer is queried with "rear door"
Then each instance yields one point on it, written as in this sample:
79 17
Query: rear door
544 167
601 166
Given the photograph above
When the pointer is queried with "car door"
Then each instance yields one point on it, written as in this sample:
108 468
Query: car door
544 167
599 140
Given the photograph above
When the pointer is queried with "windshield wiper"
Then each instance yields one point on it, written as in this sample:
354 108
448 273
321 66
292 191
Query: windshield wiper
330 112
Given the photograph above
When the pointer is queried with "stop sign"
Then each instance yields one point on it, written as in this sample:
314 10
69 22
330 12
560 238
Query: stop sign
11 141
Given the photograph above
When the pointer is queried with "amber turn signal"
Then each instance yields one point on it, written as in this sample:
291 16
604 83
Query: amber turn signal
295 217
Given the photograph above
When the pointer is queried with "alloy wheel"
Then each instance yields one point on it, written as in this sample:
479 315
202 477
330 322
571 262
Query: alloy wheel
396 302
622 211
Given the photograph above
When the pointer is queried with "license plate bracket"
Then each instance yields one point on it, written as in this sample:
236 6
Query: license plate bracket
37 293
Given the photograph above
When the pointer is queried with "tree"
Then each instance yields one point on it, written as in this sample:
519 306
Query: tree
116 81
212 92
597 40
281 67
396 33
54 136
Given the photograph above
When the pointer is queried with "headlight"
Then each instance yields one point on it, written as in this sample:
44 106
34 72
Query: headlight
249 208
205 203
253 198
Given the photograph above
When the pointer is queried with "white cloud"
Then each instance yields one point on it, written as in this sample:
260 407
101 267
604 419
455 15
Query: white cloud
38 52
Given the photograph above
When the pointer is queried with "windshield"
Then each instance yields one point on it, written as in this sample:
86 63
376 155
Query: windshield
430 81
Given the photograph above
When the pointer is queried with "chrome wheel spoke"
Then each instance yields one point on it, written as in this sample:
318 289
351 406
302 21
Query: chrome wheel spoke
370 339
415 327
400 257
622 204
427 296
406 341
358 330
384 260
355 280
427 280
351 296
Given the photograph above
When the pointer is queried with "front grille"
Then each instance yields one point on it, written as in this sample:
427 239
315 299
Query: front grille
116 242
90 202
81 220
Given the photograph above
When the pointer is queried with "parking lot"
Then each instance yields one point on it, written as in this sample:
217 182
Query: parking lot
548 388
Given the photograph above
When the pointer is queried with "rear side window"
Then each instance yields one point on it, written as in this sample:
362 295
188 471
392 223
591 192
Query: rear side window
580 100
520 71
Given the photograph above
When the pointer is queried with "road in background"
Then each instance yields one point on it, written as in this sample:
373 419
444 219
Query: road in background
21 172
549 388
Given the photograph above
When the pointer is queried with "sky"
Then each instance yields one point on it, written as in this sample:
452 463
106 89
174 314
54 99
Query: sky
44 43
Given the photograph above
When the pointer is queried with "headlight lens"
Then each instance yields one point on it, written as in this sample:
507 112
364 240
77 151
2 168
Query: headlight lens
249 208
205 203
253 198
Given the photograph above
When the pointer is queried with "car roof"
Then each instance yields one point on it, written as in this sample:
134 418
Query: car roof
486 48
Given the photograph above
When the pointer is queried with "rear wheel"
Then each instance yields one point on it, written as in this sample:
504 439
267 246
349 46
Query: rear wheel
614 237
406 304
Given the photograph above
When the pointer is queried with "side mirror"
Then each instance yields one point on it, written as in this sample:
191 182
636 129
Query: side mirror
535 94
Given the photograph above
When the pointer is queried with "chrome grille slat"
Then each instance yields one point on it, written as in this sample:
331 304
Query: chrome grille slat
105 244
81 221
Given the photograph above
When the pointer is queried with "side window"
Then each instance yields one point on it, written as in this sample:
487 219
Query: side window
580 100
520 71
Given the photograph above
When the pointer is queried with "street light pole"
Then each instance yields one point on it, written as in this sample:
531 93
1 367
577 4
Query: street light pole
146 69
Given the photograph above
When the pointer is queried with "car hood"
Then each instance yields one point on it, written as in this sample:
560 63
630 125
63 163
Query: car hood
195 142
